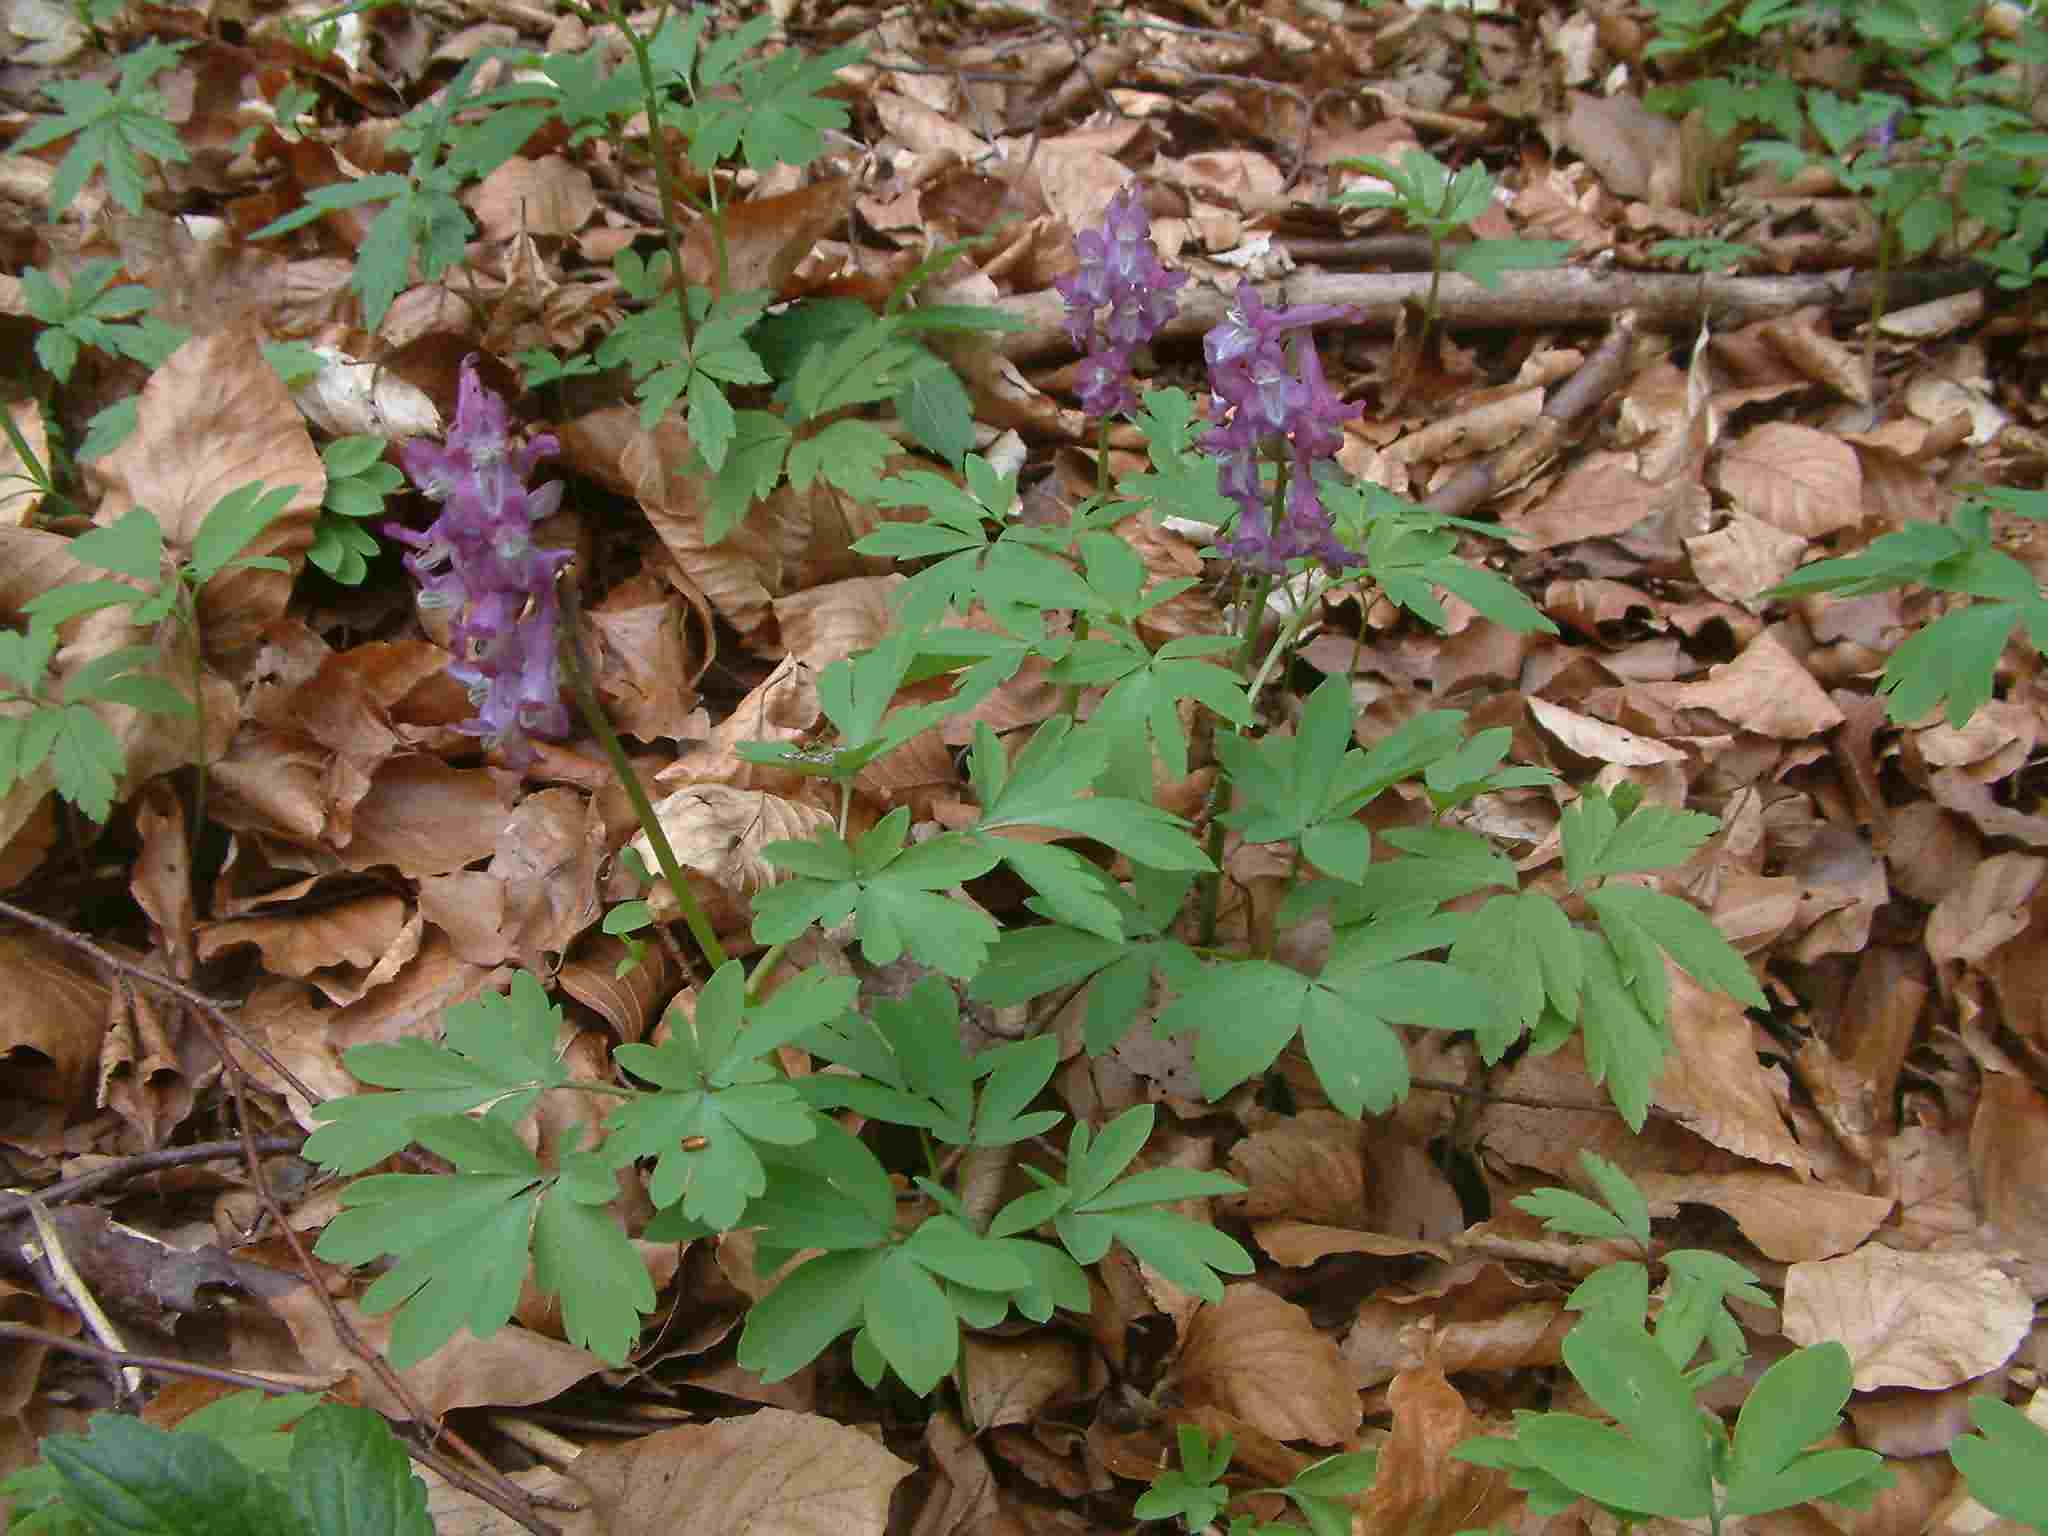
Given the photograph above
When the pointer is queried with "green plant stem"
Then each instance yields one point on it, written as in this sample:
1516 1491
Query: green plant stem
188 613
764 967
1070 697
1225 794
664 172
592 709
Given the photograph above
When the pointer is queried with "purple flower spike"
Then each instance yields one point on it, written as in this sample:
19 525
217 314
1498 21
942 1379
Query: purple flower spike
479 560
1277 410
1120 270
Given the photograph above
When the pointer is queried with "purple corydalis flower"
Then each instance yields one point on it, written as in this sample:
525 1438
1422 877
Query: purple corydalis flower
1279 409
479 560
1120 270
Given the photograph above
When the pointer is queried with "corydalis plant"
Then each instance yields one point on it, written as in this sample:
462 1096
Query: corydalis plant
479 560
1120 270
1281 412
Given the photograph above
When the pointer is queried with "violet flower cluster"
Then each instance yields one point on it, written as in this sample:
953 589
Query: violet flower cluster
479 560
1276 412
1120 270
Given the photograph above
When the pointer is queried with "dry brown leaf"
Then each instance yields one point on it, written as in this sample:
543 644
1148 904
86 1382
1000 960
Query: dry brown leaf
772 1473
1923 1320
1788 1219
1259 1357
1713 1082
1599 740
546 197
1298 1244
1421 1489
352 935
1010 1381
212 419
1796 479
1742 559
1765 690
512 1368
53 1013
1988 910
2008 1151
538 892
767 238
1306 1166
642 660
718 833
425 818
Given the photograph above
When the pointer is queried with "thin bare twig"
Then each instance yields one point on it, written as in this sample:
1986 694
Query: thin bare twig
208 1007
161 1364
13 1205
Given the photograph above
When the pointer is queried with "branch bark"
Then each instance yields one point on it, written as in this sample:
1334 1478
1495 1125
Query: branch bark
1558 296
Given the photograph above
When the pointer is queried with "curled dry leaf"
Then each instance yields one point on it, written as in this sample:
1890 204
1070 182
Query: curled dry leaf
353 935
350 399
1713 1082
2008 1151
538 892
642 661
212 419
1788 1219
425 818
1925 1320
1795 478
771 1473
1421 1489
1306 1166
53 1014
718 833
1765 690
1262 1359
512 1368
548 196
1471 1315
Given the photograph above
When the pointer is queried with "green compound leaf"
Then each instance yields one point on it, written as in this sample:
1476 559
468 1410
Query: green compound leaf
1659 1462
460 1240
581 1254
1793 1404
892 897
2004 1463
498 1051
1523 946
115 130
1954 661
1599 840
848 453
934 404
812 1305
1633 914
910 1321
1625 1047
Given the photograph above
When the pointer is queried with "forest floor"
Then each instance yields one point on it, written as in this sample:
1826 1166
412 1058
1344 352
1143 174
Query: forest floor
1650 450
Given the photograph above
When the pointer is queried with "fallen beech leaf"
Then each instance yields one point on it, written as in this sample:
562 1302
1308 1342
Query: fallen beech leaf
1420 1489
1788 1219
1926 1320
53 1013
1259 1357
213 418
548 196
1765 690
771 1473
1795 478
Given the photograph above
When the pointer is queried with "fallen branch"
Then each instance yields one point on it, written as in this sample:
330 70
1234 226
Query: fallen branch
1560 296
